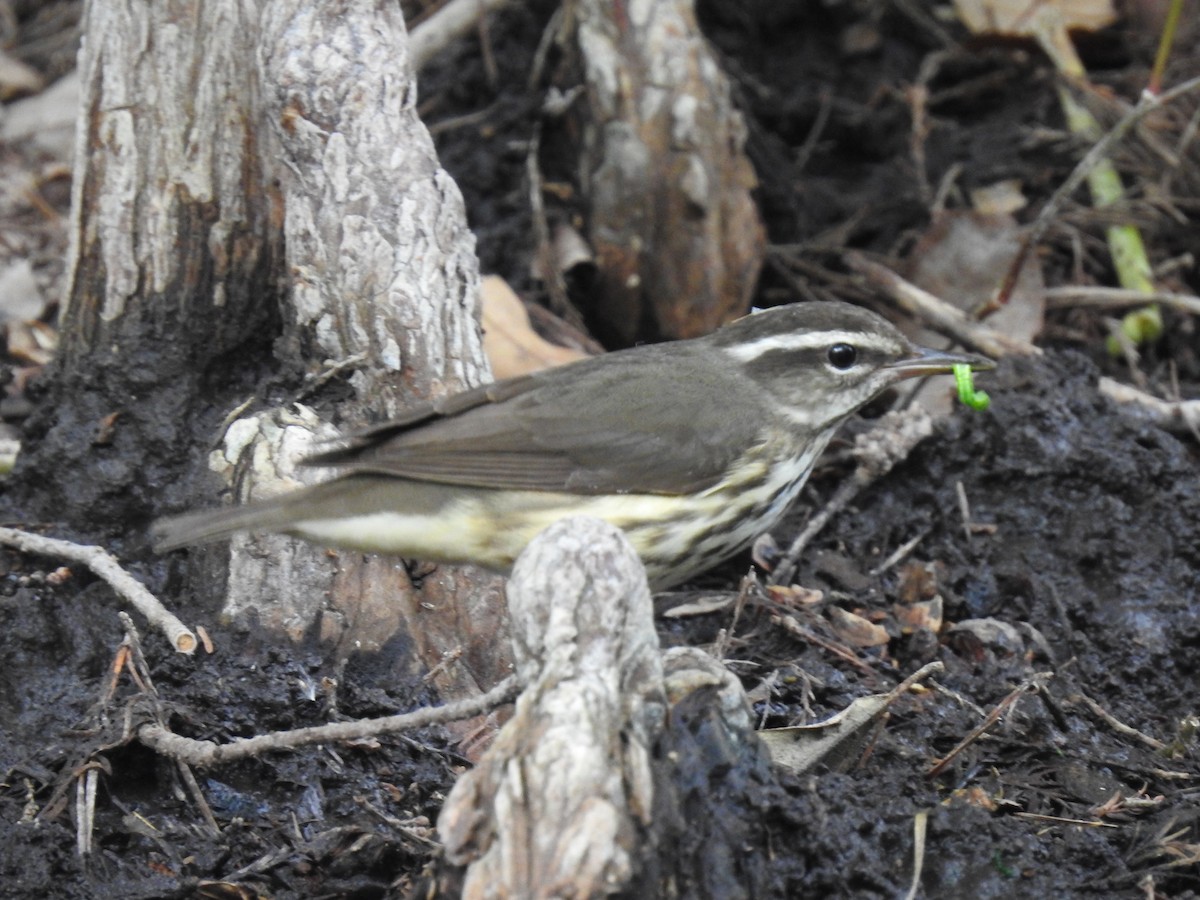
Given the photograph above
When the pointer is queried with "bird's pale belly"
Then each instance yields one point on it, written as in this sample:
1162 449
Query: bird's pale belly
677 536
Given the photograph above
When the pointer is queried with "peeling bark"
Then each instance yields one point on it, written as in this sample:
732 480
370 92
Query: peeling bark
255 198
560 804
593 788
677 236
172 264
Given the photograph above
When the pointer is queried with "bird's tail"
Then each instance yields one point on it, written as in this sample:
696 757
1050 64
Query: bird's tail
173 532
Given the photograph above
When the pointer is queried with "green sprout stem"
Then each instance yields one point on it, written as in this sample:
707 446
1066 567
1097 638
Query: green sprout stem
966 388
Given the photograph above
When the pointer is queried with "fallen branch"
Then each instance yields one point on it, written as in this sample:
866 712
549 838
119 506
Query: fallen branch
1170 415
210 753
1118 298
445 26
103 564
936 313
561 803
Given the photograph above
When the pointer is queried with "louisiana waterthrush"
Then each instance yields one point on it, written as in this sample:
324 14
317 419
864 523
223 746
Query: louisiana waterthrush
693 448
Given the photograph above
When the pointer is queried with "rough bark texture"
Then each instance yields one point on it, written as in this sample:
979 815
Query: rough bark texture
210 139
173 262
593 788
384 283
560 804
677 237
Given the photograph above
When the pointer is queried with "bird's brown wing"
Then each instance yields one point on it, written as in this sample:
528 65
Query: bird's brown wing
584 429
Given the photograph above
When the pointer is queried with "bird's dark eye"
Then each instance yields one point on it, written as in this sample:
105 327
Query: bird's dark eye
842 356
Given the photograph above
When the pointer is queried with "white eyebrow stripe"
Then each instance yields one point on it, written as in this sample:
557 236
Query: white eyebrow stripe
808 341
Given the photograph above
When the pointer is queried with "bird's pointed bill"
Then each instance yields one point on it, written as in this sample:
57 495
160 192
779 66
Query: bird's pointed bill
937 362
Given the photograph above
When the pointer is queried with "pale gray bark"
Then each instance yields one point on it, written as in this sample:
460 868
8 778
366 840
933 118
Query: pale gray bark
560 804
677 236
163 139
590 788
384 280
237 155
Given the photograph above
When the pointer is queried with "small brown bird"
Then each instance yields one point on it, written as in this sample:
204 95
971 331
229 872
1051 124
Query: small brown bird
693 448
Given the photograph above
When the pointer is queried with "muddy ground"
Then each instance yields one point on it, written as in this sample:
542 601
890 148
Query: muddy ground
1074 569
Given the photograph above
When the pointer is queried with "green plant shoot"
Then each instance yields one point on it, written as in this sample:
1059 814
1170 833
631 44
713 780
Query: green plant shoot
966 389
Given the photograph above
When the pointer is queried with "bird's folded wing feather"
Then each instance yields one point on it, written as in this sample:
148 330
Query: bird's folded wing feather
583 430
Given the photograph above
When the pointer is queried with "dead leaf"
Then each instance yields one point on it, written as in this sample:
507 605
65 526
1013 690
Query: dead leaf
795 595
31 342
963 257
973 638
973 796
16 78
854 630
1014 18
838 740
512 346
20 299
923 614
703 605
918 581
1002 198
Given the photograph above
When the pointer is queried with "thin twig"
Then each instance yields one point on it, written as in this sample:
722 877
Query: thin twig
1117 298
1101 150
1116 724
103 564
792 626
210 753
193 786
899 553
1170 415
936 312
845 493
748 585
448 24
920 827
1034 682
876 453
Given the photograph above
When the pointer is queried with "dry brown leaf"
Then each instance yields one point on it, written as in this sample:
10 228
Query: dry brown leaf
856 631
795 595
701 606
915 616
16 78
512 346
918 581
963 257
1014 18
838 741
1001 198
974 796
31 342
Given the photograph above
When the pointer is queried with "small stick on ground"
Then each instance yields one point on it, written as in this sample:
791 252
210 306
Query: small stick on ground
937 313
793 627
448 24
106 567
1170 415
1068 296
210 753
876 453
1034 682
1116 724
